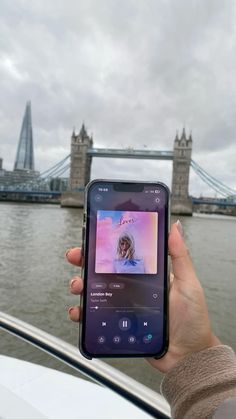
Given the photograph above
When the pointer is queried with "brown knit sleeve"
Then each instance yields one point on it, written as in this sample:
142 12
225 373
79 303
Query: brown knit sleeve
200 383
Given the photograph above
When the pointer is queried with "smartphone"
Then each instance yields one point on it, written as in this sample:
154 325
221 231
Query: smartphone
125 245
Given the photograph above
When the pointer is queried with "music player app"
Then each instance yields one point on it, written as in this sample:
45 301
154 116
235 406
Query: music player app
125 271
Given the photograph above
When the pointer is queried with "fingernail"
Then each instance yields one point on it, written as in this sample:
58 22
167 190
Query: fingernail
67 253
70 310
72 282
180 228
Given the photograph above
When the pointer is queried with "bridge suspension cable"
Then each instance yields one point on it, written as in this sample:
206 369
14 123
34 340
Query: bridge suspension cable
51 171
56 172
214 183
209 183
62 170
218 182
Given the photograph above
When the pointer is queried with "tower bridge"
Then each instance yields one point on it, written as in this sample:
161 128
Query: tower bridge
24 183
82 152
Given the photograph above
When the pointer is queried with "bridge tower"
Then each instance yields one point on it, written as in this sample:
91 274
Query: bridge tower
80 161
181 202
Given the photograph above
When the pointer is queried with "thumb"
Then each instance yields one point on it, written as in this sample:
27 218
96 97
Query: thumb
181 262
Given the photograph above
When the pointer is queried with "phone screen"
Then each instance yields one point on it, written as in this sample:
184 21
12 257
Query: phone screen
124 309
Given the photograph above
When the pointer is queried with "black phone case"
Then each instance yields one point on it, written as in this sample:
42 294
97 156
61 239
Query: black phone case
82 305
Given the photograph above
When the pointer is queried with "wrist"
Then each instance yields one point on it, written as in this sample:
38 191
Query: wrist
176 357
209 343
215 341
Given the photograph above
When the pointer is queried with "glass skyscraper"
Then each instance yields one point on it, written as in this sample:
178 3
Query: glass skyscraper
25 151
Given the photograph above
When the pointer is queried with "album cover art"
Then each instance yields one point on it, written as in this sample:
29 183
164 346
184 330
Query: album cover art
126 242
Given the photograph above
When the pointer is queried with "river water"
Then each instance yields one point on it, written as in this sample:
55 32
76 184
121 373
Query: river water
34 277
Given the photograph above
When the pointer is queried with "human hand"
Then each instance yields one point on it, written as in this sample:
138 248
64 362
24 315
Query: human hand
189 325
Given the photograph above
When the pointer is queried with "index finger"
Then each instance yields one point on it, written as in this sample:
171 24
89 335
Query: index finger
74 256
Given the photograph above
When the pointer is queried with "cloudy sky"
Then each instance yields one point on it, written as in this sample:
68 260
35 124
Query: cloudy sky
134 71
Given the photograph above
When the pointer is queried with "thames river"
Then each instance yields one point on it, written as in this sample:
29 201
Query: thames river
34 276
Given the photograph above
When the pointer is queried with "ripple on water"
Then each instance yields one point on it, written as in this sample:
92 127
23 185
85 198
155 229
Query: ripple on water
34 275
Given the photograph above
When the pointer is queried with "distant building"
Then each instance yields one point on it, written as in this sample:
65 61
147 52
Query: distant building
23 173
59 184
25 151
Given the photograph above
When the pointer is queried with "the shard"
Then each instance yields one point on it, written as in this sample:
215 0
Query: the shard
25 151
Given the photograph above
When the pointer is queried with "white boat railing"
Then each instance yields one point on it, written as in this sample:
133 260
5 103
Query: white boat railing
138 394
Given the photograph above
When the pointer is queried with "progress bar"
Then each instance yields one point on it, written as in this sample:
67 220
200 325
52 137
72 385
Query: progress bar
134 308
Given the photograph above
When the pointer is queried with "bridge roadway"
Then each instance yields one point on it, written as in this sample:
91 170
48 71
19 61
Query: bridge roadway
30 192
219 202
130 153
34 193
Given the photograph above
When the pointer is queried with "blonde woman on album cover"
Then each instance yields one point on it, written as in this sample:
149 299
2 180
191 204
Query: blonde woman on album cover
127 261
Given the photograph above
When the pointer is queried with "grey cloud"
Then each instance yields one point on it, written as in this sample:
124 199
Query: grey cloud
133 71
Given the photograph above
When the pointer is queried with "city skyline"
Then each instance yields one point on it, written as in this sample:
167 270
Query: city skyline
25 149
133 74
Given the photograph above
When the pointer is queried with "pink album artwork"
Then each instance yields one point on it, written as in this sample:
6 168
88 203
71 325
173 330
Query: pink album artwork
126 242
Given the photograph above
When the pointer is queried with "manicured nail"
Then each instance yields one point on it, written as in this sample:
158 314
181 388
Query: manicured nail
70 310
67 253
180 228
72 282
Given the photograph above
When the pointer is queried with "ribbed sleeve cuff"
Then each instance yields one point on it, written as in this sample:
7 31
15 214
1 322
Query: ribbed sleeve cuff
199 383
